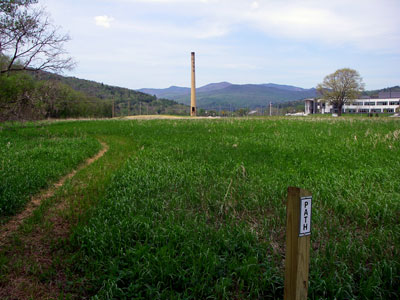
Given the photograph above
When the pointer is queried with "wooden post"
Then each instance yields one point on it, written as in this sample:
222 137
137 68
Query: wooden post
113 109
298 230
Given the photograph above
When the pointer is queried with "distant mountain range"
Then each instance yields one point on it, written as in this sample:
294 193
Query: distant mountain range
388 92
222 95
226 95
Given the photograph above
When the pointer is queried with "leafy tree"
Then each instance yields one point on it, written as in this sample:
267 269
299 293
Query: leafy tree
28 40
341 87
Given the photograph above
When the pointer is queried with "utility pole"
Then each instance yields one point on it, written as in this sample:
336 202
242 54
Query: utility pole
193 90
270 108
113 109
140 108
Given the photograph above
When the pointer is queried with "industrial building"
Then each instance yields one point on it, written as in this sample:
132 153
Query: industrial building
387 102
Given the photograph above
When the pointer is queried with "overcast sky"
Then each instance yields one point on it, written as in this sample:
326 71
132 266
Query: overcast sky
147 43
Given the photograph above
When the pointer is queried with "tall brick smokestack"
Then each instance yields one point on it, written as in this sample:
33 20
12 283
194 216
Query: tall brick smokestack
193 90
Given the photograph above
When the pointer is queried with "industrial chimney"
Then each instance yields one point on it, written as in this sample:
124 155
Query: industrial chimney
193 90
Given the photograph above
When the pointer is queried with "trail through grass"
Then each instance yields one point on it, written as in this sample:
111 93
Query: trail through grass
31 158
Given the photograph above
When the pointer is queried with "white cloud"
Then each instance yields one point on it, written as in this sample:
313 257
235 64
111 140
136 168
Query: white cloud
168 1
367 26
371 25
255 5
244 41
241 66
195 30
103 21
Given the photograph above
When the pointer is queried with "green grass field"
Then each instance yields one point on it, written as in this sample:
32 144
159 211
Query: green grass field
31 157
195 209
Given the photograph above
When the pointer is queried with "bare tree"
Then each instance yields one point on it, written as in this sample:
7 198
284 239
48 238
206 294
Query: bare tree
341 87
29 41
18 98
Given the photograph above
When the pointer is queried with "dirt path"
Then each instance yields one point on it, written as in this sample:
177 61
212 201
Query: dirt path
11 227
33 270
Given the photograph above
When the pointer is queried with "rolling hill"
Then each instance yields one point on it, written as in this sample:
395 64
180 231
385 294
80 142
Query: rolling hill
127 101
225 95
393 91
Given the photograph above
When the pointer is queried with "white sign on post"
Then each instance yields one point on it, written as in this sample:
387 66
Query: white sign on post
305 216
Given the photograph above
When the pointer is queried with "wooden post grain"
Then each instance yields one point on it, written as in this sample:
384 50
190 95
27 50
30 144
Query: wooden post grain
297 258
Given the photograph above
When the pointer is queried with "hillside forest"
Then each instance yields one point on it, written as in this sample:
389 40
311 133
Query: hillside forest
38 95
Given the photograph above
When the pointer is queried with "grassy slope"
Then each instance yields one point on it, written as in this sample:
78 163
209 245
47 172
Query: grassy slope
197 209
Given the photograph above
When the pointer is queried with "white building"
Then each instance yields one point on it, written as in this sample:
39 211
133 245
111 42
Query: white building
314 106
386 103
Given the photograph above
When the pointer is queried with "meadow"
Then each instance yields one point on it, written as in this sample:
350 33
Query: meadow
195 209
31 157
